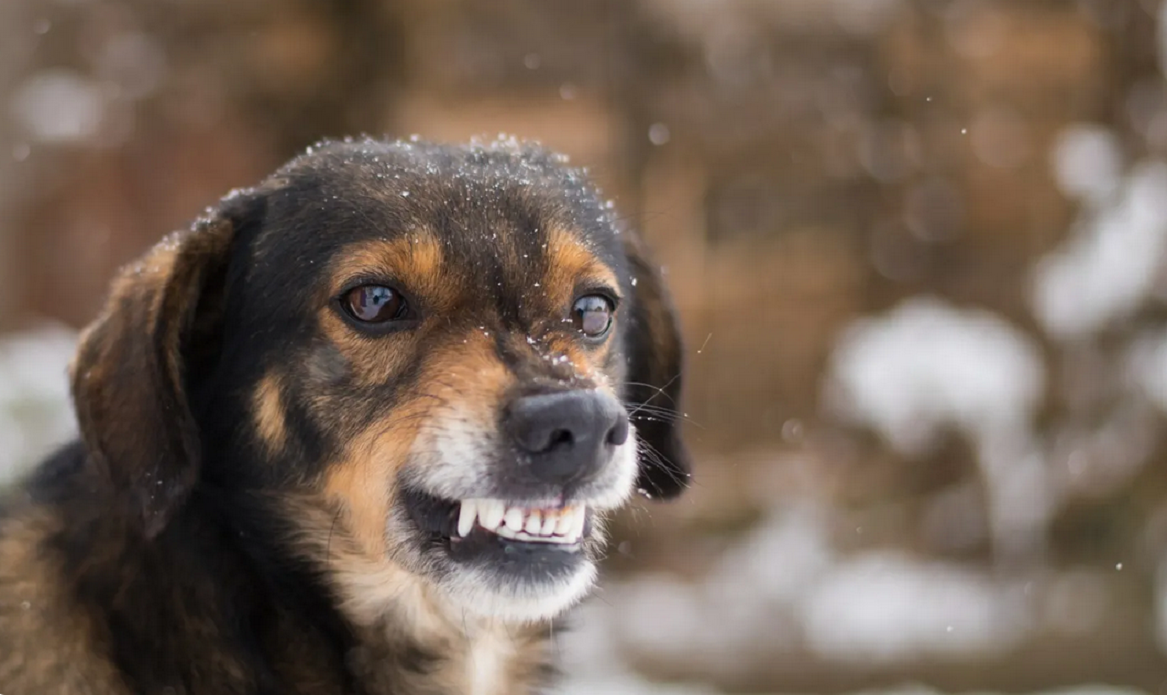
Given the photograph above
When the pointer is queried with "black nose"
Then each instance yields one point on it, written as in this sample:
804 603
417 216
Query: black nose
570 435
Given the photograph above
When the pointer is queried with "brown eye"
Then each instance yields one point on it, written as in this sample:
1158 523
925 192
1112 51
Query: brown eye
592 315
374 304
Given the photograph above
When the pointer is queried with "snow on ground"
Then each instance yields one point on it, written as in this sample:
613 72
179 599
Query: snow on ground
935 610
782 590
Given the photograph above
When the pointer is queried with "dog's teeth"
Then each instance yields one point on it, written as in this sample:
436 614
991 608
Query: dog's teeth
564 523
563 526
490 513
578 516
466 517
514 519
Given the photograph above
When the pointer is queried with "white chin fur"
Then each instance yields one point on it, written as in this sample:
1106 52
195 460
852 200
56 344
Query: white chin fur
480 594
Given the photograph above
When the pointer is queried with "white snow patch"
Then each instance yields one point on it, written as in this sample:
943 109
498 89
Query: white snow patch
928 365
35 413
1146 367
883 608
1087 161
744 604
873 607
1108 265
59 105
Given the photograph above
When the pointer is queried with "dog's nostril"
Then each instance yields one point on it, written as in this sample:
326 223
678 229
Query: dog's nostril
566 436
619 432
560 438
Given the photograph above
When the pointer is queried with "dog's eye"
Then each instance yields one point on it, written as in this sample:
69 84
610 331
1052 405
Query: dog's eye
374 304
592 315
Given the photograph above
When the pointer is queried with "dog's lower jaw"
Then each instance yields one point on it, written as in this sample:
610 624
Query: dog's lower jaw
373 589
476 593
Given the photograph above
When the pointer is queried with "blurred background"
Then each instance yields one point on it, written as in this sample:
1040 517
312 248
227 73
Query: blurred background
919 246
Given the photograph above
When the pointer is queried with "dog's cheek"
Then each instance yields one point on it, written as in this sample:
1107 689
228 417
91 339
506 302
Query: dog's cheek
362 482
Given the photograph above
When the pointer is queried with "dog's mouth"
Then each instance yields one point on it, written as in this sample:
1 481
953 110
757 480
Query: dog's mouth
472 525
515 522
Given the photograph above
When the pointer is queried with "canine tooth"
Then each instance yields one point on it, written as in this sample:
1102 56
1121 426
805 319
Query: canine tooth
514 519
534 523
564 523
579 515
466 516
550 521
490 513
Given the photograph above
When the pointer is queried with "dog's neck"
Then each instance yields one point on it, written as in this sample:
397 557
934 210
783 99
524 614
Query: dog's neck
482 660
401 626
400 634
471 655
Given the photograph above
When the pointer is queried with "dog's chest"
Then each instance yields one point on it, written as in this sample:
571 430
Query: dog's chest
483 662
486 667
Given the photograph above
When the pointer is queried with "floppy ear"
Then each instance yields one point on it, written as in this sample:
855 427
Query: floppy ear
654 379
129 373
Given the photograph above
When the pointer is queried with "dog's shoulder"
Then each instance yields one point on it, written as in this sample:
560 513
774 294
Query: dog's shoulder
37 604
88 607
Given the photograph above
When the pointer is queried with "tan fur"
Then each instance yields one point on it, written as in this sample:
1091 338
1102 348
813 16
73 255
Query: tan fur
570 263
414 261
412 264
270 420
360 485
466 372
389 604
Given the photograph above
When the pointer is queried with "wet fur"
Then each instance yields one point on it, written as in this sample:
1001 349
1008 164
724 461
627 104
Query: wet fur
213 529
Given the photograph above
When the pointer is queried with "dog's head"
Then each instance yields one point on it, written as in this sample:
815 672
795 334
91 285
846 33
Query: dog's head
440 366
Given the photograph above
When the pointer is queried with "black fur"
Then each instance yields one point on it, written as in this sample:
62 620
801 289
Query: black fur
163 552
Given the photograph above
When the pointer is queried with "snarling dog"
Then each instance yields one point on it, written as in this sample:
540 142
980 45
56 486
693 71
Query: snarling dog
355 431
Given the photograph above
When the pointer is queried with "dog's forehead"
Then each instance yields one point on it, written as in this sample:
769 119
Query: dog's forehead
481 203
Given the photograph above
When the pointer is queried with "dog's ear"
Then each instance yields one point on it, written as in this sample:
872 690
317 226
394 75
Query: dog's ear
654 378
129 374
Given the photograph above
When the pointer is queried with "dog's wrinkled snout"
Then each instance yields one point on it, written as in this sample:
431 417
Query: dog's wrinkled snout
569 436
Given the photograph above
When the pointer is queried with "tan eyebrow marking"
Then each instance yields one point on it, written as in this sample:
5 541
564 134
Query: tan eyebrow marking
569 261
415 261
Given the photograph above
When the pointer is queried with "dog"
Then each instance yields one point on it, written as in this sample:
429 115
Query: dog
354 431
